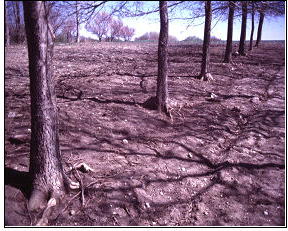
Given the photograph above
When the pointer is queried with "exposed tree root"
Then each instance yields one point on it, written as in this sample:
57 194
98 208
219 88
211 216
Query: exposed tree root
166 111
207 77
47 212
38 200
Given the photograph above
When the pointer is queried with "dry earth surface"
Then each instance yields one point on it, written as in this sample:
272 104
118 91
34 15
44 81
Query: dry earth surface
217 161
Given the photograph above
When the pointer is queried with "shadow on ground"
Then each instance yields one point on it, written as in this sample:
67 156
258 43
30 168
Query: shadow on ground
215 162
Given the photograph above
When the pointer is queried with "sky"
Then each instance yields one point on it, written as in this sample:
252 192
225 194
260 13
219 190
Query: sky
273 28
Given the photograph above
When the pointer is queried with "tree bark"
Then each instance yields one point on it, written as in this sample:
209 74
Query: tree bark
243 29
7 35
252 27
45 163
17 21
205 72
162 86
77 23
228 51
259 32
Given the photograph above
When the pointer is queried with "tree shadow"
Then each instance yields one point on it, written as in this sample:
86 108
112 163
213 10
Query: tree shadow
18 179
155 209
202 121
108 101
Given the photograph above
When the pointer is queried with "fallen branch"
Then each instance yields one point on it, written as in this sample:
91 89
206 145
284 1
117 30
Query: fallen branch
73 198
64 209
81 186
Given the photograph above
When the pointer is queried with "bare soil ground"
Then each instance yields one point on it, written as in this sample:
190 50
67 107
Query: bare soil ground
217 161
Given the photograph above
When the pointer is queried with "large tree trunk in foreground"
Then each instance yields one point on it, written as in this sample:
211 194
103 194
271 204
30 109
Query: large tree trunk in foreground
162 87
205 73
45 164
228 51
17 21
7 35
252 27
243 29
259 32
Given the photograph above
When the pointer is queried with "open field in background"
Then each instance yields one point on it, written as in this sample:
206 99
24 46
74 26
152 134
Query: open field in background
198 42
216 162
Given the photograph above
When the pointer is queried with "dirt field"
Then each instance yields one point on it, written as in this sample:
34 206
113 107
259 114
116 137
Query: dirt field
218 161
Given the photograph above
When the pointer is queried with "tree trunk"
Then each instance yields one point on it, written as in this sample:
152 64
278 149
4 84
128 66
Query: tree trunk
45 164
228 51
252 27
259 33
205 72
7 35
162 86
77 24
243 29
17 21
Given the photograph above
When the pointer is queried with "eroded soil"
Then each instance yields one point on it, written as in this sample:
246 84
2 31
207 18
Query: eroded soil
217 161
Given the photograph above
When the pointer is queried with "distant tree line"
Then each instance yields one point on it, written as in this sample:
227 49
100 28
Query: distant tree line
65 18
154 36
14 23
111 29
